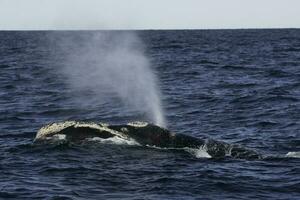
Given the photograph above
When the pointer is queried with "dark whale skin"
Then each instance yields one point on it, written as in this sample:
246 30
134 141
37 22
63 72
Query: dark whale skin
150 135
160 137
156 136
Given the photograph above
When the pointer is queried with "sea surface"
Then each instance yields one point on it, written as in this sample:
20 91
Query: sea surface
236 86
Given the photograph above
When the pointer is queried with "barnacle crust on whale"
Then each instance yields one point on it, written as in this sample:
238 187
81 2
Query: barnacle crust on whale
137 124
55 128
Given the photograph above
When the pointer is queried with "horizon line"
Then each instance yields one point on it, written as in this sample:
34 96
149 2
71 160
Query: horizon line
153 29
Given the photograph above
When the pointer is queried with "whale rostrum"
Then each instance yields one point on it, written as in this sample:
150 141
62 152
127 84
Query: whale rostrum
142 133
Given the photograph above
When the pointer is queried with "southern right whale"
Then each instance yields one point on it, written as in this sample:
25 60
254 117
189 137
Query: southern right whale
142 133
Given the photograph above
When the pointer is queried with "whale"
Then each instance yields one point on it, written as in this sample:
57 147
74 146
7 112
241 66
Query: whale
143 134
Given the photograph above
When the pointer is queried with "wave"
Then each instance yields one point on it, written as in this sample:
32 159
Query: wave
198 153
114 140
293 154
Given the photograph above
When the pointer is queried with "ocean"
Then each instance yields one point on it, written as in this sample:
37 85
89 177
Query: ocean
236 86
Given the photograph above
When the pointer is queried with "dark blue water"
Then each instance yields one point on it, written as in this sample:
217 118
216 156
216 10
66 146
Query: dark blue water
237 86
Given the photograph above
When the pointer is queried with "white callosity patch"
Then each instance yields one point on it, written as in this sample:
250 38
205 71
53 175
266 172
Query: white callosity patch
53 128
51 131
103 124
137 124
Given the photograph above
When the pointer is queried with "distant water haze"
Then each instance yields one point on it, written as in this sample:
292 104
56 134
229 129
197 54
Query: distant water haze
145 14
112 65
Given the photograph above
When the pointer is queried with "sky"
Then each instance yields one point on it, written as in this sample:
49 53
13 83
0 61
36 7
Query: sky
148 14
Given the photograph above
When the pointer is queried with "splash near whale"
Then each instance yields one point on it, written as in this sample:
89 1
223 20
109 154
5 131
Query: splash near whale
140 133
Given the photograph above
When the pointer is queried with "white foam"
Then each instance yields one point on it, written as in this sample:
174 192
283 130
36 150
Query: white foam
60 137
293 154
115 140
56 138
199 152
